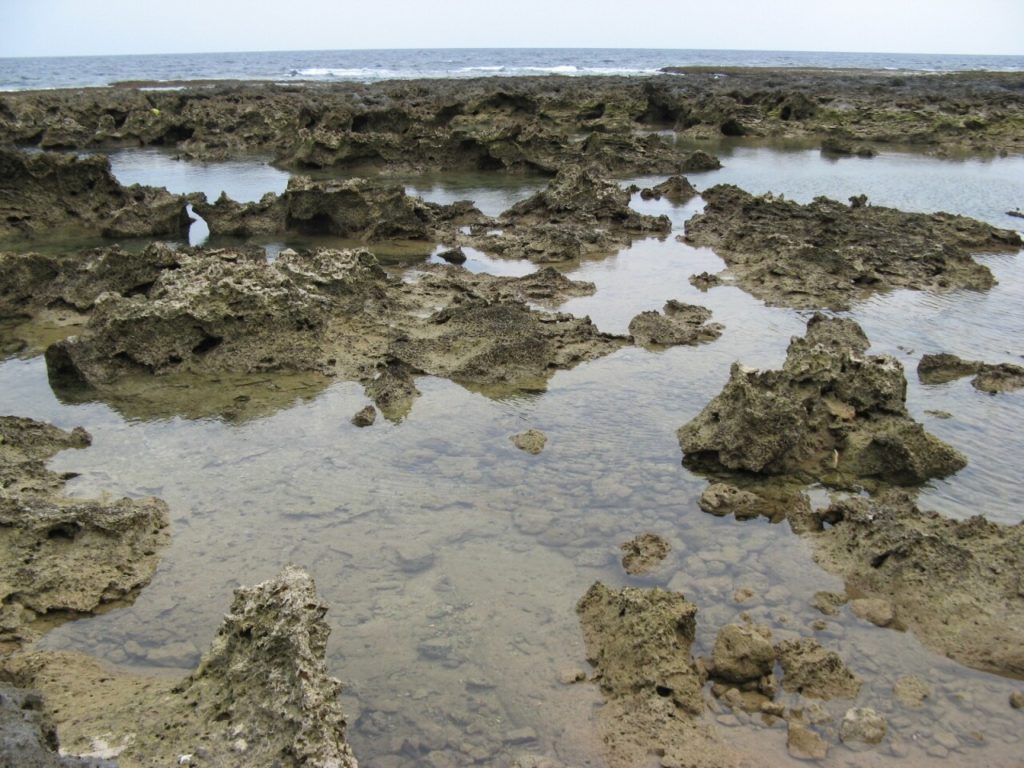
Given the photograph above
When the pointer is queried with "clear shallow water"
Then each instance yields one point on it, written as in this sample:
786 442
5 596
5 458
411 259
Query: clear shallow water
374 65
452 561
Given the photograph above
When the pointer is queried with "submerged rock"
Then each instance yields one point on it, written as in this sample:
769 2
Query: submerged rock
530 441
47 192
261 695
988 377
827 254
814 672
864 725
643 553
61 556
954 583
743 654
832 413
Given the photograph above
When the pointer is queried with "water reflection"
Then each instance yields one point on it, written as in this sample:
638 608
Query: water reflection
453 561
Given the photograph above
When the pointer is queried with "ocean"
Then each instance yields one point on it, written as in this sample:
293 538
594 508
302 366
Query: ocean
374 65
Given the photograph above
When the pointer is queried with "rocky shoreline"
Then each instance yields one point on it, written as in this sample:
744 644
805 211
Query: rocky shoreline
833 416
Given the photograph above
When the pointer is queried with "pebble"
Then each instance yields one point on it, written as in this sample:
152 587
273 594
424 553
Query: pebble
937 750
947 740
1017 699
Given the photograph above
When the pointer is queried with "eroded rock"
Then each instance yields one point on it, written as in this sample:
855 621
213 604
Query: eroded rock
988 377
578 214
832 414
862 725
827 254
954 583
676 189
679 324
261 694
638 641
743 653
643 553
815 672
61 556
212 312
531 441
44 193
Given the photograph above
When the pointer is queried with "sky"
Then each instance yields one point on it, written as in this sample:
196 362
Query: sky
101 27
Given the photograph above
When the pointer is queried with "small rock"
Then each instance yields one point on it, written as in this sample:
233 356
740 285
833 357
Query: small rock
722 499
570 676
879 612
531 441
742 653
1017 699
911 691
862 725
805 744
520 736
743 594
643 553
453 256
365 417
413 557
829 602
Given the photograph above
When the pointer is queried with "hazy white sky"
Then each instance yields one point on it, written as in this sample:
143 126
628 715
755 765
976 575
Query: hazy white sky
80 27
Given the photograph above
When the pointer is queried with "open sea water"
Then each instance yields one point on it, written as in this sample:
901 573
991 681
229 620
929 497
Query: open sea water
374 65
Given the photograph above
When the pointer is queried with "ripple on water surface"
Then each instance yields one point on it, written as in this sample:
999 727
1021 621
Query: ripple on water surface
452 561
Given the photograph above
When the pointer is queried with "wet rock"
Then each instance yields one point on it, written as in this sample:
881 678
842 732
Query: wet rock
803 743
356 208
954 583
215 311
676 189
705 281
30 282
644 553
829 603
365 417
261 689
44 193
743 653
579 213
638 641
862 725
1017 699
988 377
911 691
879 612
826 254
453 256
61 556
831 414
530 441
841 148
678 324
722 499
809 669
